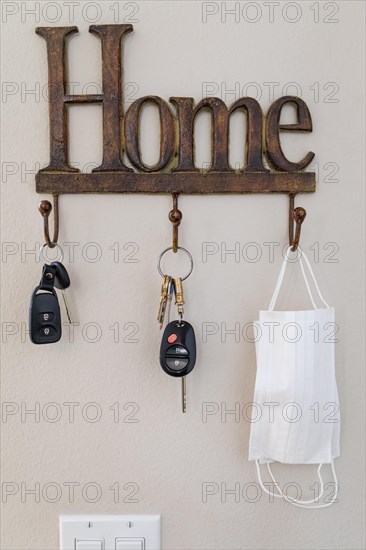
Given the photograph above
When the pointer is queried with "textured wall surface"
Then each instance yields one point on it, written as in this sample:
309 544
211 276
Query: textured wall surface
157 457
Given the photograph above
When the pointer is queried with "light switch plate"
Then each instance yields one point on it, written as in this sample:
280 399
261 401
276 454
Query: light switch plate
109 529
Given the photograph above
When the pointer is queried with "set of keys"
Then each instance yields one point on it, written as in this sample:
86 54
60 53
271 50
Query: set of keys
178 345
169 286
44 309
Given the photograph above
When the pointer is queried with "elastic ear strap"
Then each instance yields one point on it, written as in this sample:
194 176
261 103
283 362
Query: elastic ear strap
312 276
279 281
300 503
307 284
282 274
280 494
303 503
262 484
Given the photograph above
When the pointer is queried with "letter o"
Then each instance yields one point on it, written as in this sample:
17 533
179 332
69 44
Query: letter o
258 493
258 12
298 410
98 255
57 496
45 13
51 92
292 484
85 10
98 333
298 90
57 416
257 87
167 134
257 332
250 417
92 419
297 15
258 250
297 336
98 492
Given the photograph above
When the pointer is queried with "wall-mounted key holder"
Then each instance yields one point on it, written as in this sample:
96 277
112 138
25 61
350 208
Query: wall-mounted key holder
175 171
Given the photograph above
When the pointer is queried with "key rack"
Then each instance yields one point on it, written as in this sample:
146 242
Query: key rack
175 172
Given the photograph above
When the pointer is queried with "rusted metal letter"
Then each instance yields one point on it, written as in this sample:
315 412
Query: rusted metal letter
167 133
220 132
219 129
275 155
111 98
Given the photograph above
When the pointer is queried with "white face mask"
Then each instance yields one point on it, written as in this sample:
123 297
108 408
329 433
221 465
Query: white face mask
295 389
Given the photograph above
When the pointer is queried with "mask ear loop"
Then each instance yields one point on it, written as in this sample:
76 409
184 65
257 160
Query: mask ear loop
282 274
312 276
279 281
304 503
280 494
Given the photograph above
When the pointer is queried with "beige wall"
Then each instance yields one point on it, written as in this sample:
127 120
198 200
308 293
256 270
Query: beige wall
166 455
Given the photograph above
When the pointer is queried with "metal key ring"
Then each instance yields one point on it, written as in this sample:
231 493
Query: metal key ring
46 260
179 248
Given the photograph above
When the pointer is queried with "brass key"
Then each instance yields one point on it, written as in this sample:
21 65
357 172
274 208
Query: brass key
169 300
179 299
163 298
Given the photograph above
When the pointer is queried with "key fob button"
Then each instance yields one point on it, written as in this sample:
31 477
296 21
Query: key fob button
46 317
177 350
176 364
172 338
49 332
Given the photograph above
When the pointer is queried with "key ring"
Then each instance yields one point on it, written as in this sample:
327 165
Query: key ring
46 260
178 248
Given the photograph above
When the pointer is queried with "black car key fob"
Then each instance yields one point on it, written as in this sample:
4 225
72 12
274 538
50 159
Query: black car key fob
44 317
44 310
178 348
62 279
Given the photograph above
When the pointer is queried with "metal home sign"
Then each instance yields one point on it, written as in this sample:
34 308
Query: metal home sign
175 171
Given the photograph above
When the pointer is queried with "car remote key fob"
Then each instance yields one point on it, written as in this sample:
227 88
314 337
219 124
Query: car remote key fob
44 317
44 310
178 348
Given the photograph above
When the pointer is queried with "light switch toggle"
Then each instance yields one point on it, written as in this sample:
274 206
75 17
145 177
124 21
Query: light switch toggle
89 544
130 544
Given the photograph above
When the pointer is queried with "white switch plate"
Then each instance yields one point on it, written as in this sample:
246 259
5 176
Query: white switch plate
110 528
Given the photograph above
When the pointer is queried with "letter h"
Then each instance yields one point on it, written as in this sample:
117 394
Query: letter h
111 98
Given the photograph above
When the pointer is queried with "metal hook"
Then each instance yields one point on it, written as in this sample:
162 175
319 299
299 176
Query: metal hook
296 215
45 208
175 217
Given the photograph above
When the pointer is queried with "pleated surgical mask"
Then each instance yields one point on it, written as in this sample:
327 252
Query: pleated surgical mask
296 386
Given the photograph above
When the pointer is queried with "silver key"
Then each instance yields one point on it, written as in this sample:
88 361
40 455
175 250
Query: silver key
67 307
184 394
